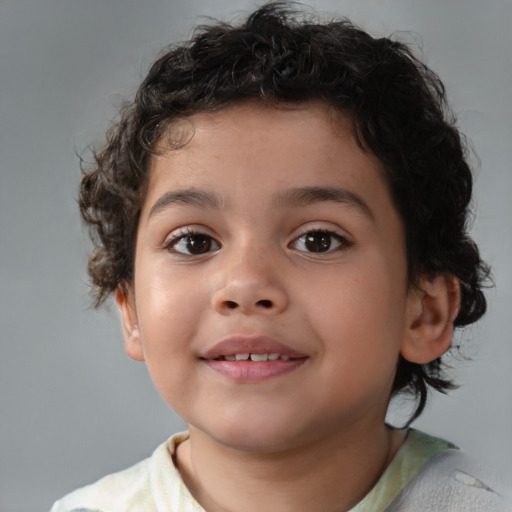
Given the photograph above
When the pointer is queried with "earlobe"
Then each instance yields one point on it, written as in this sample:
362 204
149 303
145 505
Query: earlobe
131 332
433 306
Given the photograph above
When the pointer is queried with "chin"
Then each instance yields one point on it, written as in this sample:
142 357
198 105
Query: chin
262 435
257 442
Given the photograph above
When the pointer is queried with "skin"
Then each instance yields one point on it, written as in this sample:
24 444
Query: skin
348 310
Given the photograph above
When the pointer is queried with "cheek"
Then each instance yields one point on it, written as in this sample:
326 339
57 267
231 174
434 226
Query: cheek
361 327
365 309
168 326
168 310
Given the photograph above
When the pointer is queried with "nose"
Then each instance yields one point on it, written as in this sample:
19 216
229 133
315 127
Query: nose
250 286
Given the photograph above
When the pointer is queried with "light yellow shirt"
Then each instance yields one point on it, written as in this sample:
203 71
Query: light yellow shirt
155 485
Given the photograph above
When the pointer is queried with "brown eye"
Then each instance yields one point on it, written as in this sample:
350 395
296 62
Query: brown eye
194 244
319 242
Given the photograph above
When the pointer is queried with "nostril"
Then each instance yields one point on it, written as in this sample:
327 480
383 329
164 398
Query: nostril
265 303
231 304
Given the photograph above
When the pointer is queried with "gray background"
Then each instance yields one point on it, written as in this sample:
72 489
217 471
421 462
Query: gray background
73 406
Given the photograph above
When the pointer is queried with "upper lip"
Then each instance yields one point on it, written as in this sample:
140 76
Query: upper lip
250 345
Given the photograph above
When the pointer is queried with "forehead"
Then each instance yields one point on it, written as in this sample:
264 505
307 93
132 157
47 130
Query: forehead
288 141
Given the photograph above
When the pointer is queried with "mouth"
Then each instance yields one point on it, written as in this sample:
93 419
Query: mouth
251 348
252 359
255 357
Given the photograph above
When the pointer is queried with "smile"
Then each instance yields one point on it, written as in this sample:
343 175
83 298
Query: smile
255 357
251 371
249 359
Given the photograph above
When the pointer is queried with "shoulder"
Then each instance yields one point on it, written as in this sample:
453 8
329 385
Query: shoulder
134 489
114 492
451 481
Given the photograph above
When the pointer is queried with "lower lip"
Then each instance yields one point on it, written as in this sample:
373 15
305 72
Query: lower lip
254 371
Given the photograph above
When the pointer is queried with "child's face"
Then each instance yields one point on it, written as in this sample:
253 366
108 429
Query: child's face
271 233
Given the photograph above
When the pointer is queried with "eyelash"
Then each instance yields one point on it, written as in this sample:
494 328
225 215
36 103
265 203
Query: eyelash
182 234
341 241
206 243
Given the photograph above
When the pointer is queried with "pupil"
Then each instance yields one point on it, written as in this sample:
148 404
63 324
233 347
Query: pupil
318 242
198 244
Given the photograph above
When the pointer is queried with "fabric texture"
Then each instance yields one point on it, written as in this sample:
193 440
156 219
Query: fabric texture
453 482
426 475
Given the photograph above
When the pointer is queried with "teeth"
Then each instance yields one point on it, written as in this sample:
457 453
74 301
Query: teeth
257 357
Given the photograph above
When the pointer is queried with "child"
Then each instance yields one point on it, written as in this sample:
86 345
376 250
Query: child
281 216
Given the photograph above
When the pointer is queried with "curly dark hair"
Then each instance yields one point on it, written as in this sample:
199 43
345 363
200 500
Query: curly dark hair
399 112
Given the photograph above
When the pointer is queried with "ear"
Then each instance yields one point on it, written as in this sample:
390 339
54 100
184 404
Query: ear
131 333
433 305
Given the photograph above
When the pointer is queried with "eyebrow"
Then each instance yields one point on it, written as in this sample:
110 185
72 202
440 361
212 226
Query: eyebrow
294 197
304 196
199 198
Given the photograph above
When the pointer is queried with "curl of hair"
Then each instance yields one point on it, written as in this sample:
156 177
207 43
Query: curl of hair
399 112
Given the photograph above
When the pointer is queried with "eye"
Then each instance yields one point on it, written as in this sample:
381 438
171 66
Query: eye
319 242
192 244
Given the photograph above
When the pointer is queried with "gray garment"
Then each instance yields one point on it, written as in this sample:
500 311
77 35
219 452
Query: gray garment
450 482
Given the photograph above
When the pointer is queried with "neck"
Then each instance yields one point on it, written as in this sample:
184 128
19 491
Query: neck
330 474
